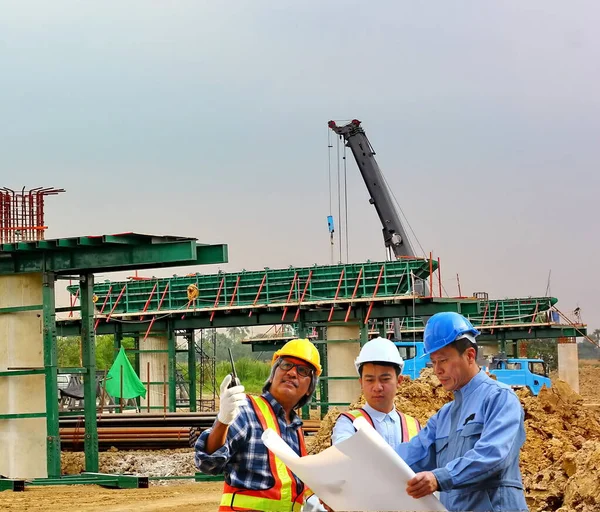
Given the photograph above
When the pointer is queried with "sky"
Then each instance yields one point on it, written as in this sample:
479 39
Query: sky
209 119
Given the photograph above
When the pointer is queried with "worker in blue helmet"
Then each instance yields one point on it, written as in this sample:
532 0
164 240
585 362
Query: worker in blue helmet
469 450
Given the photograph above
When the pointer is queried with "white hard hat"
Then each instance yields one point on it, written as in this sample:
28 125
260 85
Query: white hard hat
379 350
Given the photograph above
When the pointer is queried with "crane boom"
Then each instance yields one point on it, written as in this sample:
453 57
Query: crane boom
394 235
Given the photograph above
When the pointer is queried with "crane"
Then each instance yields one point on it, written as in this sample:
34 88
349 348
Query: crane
394 235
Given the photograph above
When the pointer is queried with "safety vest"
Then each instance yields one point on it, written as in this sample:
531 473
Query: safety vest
409 425
283 496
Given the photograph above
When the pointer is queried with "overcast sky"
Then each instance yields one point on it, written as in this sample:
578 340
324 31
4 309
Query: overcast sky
209 119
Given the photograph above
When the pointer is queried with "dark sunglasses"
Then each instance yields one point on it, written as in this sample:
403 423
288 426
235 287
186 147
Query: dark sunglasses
303 371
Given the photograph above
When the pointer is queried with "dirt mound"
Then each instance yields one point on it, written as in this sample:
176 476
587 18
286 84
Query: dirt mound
582 492
560 460
419 398
588 380
558 426
154 463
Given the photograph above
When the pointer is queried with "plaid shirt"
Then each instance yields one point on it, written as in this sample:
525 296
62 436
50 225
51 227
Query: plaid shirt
244 459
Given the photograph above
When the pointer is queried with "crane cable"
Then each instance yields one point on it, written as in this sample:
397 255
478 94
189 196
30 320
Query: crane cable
346 205
330 218
339 184
408 224
403 214
329 146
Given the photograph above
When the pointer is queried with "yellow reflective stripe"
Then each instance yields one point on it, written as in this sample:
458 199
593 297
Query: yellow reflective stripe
258 503
356 413
280 467
412 425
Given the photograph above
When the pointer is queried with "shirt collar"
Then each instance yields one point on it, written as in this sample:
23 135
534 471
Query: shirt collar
278 409
380 416
472 385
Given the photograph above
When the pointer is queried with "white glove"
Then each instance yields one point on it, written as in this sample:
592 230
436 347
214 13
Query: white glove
230 401
313 504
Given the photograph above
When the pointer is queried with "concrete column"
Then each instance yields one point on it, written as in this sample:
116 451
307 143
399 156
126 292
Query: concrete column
568 364
23 440
340 362
158 362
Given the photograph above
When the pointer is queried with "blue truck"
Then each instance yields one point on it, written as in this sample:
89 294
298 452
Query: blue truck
515 372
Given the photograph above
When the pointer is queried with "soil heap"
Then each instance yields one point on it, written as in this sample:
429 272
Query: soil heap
560 460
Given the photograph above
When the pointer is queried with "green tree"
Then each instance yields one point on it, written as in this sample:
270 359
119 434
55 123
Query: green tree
69 351
545 349
232 339
587 350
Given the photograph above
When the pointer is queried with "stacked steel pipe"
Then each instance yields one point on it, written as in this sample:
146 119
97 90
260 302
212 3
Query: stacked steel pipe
143 431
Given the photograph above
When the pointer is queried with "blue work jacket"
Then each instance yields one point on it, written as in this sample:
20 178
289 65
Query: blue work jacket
472 447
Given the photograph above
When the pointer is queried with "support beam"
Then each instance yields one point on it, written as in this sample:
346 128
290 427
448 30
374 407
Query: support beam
190 336
88 353
172 341
23 442
568 364
154 367
343 347
117 340
51 382
99 254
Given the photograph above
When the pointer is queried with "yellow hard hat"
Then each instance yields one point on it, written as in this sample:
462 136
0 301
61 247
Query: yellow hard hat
302 349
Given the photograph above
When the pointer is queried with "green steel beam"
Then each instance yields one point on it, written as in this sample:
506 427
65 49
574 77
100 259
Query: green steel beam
122 481
88 352
18 309
172 369
72 370
192 369
114 481
107 253
542 332
12 373
6 484
51 381
272 316
305 287
201 477
24 415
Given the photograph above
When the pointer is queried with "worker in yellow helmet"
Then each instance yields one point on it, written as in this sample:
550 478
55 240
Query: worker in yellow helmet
254 478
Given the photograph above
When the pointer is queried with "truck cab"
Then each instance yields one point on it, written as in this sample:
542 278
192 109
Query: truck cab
517 373
412 354
521 372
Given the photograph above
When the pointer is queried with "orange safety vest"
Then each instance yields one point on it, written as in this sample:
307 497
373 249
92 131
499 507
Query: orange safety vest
409 425
283 496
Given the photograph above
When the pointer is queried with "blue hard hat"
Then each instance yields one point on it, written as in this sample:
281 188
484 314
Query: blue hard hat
444 328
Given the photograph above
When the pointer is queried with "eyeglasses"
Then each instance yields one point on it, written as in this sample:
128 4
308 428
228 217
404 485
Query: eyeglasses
303 371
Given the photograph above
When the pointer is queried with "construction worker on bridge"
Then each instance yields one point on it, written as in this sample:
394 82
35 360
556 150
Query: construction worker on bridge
254 478
469 450
379 366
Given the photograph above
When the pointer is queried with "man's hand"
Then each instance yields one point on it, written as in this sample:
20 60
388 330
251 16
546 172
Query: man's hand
422 484
230 401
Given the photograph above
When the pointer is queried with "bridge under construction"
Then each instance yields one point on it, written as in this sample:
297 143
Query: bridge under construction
338 305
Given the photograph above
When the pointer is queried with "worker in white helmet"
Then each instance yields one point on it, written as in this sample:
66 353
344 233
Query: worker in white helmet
379 368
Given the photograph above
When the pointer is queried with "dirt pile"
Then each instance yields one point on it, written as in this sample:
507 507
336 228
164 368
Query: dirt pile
154 463
560 460
588 380
558 426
